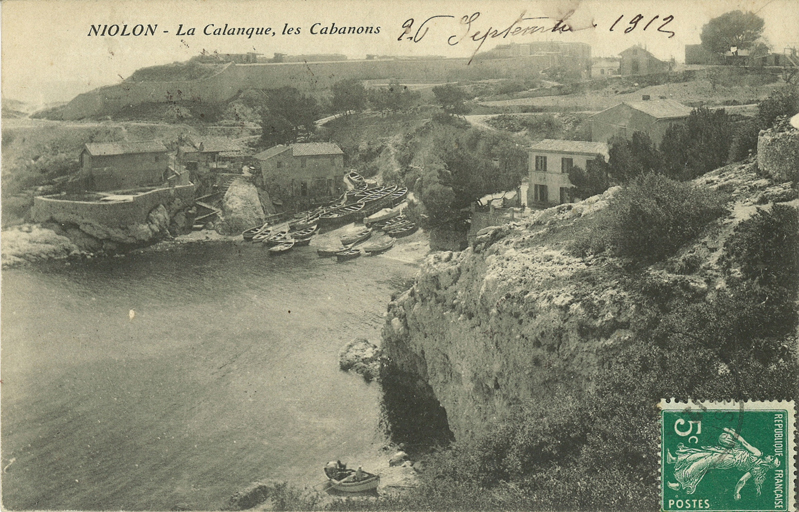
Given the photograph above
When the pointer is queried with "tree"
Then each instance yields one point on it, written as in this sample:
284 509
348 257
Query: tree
592 181
276 129
629 158
733 29
698 146
348 95
394 98
451 99
287 115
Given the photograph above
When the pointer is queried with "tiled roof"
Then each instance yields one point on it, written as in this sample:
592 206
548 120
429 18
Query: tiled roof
269 153
315 148
571 146
124 148
661 109
302 149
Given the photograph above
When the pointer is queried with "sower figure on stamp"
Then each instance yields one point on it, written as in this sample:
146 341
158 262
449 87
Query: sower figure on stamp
733 452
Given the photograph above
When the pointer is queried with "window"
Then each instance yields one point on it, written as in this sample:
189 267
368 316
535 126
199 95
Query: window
541 163
191 166
156 158
540 194
303 187
303 161
601 71
565 195
566 164
279 164
635 67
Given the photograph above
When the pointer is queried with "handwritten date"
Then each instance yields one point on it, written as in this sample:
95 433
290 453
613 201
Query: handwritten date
523 25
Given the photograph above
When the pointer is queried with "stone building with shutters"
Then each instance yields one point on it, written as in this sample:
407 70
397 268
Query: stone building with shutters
302 175
550 163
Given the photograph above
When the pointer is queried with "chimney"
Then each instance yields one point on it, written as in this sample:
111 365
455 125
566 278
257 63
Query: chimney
645 97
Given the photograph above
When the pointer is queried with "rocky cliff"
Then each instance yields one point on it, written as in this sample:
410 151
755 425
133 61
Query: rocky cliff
517 320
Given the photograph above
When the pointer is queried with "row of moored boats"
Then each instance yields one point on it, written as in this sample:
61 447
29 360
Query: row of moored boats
377 207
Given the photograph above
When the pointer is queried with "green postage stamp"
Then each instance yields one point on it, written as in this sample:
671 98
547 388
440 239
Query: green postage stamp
727 456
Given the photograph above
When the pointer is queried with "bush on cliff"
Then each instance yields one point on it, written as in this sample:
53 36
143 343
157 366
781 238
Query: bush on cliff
654 216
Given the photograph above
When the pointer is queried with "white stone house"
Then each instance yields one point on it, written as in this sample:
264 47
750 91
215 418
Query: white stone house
550 162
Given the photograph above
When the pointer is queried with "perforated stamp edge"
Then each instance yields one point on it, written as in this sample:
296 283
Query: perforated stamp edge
748 405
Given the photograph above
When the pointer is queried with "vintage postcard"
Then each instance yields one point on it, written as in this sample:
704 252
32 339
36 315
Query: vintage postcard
455 255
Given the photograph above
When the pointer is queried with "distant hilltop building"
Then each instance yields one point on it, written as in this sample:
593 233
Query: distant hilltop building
556 53
636 60
238 58
603 67
652 117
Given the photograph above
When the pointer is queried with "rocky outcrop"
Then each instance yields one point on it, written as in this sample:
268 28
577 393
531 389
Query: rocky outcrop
778 152
31 243
361 357
156 227
241 208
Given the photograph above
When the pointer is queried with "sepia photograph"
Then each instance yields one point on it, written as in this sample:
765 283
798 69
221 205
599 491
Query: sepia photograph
454 255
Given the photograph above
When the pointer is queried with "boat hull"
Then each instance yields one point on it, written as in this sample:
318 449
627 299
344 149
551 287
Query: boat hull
371 482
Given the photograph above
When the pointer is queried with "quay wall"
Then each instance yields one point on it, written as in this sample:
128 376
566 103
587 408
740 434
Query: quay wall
112 214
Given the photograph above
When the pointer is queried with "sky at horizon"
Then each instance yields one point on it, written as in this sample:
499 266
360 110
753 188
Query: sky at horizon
48 54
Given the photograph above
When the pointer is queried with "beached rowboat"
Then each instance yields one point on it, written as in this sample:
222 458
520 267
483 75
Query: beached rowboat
347 254
248 234
378 246
404 230
340 215
325 252
281 247
356 237
381 216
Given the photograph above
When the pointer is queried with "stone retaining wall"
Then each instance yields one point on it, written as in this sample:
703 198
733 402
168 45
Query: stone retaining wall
113 213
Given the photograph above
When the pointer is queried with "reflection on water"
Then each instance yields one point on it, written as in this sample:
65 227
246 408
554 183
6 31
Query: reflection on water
226 374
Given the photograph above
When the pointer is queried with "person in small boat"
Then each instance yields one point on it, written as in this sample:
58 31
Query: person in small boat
336 470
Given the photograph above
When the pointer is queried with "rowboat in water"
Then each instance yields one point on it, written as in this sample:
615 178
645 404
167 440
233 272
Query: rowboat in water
344 479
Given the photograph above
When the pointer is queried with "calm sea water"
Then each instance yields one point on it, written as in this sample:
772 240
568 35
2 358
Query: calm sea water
226 374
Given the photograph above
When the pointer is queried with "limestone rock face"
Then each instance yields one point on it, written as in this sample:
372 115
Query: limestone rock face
778 153
241 208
